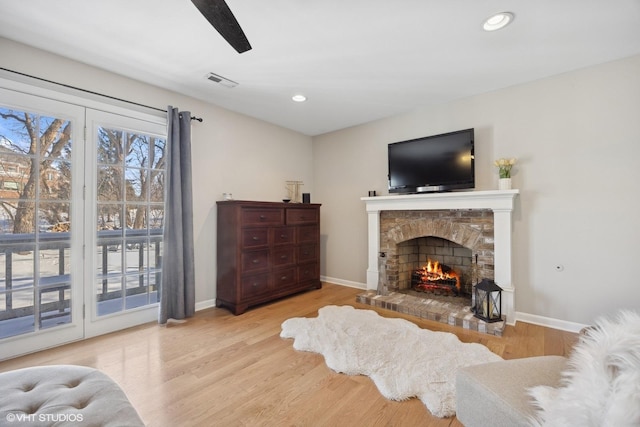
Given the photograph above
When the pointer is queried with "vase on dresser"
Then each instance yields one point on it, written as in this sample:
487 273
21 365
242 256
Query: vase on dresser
504 184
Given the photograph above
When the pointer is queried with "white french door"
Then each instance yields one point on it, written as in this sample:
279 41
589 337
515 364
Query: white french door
127 160
41 222
81 218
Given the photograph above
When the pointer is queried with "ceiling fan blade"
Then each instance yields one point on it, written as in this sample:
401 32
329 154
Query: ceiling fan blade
220 16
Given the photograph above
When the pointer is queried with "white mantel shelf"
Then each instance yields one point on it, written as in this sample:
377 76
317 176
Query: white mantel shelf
501 202
494 200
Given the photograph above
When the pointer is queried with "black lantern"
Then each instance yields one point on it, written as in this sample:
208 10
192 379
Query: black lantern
488 301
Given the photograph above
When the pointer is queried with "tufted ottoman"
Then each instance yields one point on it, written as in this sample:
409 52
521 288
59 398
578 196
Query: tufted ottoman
63 395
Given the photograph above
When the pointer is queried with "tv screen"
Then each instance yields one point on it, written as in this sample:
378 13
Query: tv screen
434 163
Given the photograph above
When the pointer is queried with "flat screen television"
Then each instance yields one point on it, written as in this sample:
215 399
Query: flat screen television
433 163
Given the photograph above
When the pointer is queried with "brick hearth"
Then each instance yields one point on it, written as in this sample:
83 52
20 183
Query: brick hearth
452 311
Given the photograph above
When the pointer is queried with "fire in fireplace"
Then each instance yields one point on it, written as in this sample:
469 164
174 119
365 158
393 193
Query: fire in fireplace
436 278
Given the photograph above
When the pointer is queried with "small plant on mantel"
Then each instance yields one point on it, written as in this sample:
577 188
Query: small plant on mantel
504 166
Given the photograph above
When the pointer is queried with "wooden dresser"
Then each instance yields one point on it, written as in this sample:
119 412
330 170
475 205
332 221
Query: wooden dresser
265 251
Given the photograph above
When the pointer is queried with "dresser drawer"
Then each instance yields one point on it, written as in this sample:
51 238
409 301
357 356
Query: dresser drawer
253 237
255 260
262 216
283 256
284 278
307 253
254 285
297 216
283 235
309 271
307 234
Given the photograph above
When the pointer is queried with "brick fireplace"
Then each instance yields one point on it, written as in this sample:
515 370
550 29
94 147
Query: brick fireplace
458 229
458 239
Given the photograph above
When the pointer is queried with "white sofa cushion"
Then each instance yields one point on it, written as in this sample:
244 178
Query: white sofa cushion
64 395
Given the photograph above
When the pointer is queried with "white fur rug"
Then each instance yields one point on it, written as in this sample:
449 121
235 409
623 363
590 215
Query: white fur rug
601 387
402 359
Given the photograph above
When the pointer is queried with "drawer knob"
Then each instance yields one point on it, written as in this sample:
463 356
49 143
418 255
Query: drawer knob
283 257
283 278
283 236
255 237
255 285
255 261
262 217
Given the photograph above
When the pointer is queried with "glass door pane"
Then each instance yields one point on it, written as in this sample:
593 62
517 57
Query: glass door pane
129 212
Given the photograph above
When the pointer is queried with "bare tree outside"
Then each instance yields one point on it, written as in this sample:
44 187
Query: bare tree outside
34 161
34 164
130 176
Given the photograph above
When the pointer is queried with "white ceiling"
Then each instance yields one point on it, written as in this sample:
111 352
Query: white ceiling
355 60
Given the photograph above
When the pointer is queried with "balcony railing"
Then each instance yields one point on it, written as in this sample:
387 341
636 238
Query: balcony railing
49 303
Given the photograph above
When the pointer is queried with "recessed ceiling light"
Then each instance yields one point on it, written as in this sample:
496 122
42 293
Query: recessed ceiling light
498 21
299 98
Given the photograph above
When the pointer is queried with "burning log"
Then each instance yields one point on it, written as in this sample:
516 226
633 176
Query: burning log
435 277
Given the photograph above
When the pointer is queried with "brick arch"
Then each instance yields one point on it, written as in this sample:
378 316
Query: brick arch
462 234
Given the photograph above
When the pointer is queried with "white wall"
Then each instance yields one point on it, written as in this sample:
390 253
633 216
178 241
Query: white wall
577 140
230 152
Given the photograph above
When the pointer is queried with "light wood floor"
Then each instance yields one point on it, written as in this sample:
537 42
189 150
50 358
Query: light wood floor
217 369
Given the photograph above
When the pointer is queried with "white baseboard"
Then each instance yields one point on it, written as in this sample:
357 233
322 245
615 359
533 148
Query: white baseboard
342 282
549 322
205 304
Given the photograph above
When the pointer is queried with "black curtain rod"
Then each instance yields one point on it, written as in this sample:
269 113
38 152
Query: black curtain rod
91 92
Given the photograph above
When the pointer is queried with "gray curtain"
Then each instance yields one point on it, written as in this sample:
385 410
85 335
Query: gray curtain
177 291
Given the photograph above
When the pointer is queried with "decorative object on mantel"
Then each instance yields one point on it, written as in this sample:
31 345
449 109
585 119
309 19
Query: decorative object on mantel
293 191
504 170
402 359
504 184
488 301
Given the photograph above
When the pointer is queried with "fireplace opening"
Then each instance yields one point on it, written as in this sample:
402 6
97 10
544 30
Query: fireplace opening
433 267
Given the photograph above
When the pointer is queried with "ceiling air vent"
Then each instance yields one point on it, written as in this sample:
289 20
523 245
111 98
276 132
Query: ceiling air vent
221 80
